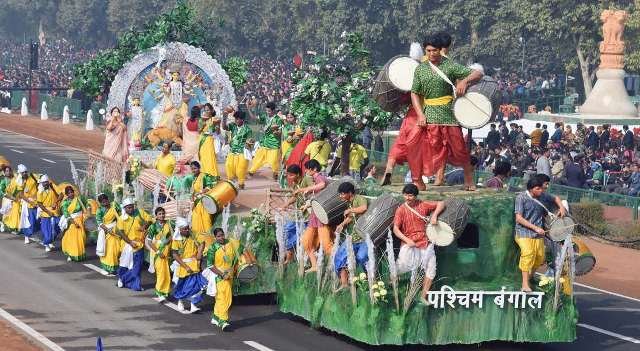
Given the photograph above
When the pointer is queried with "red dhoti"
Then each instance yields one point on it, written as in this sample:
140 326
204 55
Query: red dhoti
399 150
433 146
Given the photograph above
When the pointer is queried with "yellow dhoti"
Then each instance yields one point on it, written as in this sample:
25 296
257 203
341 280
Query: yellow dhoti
236 167
265 156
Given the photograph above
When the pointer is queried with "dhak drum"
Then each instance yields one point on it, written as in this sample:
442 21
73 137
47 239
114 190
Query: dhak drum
219 196
247 267
559 228
584 259
150 177
451 223
378 218
393 83
479 105
176 208
328 206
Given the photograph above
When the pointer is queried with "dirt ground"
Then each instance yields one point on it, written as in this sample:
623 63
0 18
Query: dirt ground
13 340
52 130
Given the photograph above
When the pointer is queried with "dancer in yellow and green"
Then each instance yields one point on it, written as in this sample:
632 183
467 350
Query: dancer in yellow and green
221 260
237 160
72 225
187 253
291 134
201 220
207 149
109 243
131 227
269 151
159 244
5 204
11 211
49 204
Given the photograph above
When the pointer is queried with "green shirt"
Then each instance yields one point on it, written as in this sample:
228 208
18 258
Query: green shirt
270 140
239 136
429 85
357 201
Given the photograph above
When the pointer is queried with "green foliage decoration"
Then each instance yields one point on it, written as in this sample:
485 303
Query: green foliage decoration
238 70
95 76
334 92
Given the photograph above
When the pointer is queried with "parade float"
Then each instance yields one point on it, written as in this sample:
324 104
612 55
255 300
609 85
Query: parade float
475 296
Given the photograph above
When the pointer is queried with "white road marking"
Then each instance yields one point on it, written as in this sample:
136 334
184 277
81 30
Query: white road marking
601 290
608 292
46 141
18 151
30 331
257 346
96 268
615 309
47 160
578 293
606 332
174 307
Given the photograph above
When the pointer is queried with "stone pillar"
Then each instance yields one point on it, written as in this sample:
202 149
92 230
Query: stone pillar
609 97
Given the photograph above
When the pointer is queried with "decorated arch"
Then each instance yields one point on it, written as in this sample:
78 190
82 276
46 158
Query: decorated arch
160 85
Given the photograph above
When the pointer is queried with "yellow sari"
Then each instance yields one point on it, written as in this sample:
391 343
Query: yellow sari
74 237
224 257
207 151
12 219
113 242
201 220
161 238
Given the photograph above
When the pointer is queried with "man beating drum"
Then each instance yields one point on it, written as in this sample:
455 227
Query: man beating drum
409 225
437 138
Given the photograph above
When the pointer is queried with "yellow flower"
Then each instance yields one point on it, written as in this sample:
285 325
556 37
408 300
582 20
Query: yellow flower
363 276
376 294
561 280
383 292
354 279
381 283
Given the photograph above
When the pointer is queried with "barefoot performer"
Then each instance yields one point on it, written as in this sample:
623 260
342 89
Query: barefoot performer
437 138
409 226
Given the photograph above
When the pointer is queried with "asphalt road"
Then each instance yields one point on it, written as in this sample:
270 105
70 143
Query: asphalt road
72 304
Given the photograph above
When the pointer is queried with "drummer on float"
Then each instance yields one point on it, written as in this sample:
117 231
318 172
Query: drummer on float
409 225
437 138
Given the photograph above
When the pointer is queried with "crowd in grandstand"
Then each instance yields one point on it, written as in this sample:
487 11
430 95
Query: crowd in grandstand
55 64
600 158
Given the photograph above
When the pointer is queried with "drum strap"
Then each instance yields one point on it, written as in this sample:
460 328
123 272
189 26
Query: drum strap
443 76
416 212
540 203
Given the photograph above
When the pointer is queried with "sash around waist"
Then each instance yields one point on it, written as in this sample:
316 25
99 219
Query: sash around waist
443 100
